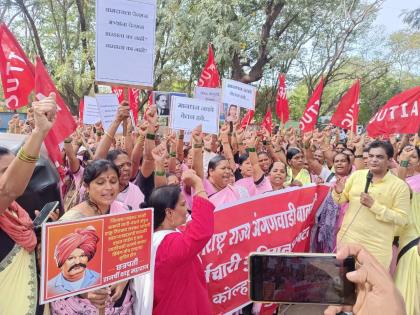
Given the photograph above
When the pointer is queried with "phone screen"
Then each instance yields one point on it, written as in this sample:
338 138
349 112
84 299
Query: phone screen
43 215
301 279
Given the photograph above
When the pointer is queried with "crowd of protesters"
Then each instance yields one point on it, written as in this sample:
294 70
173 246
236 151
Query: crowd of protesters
184 181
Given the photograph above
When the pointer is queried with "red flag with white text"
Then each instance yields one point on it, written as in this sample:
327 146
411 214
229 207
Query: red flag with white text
133 99
347 112
247 118
119 91
210 76
399 115
17 72
310 115
64 124
282 104
267 122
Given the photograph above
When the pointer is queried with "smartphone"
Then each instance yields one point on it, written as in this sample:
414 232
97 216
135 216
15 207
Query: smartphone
43 215
301 278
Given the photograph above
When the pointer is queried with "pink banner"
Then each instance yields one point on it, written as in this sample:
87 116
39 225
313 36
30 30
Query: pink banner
275 222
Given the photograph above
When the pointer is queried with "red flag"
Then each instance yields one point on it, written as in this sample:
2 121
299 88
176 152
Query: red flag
81 109
17 72
119 91
133 96
347 112
282 104
133 99
247 118
310 115
268 309
399 115
210 76
267 122
64 125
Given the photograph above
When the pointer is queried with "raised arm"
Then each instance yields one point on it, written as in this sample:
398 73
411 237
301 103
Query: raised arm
15 178
128 137
172 151
148 163
180 146
123 113
359 143
274 149
314 165
404 161
159 153
138 149
252 142
227 149
74 163
197 147
185 246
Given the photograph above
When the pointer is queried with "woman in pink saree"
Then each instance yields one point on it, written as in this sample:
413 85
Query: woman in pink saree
217 182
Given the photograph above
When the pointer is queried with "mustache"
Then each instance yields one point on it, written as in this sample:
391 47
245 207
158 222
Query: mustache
78 265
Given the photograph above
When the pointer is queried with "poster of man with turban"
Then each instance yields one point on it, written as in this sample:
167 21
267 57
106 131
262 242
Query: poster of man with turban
72 255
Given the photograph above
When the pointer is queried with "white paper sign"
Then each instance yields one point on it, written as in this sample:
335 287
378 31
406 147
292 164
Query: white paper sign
237 93
91 113
125 41
187 136
208 94
108 107
187 113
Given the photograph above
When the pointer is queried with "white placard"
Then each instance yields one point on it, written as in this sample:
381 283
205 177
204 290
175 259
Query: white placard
187 113
208 94
237 93
91 113
125 41
108 107
187 136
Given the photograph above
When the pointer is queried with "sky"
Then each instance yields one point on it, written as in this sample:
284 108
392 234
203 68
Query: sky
388 16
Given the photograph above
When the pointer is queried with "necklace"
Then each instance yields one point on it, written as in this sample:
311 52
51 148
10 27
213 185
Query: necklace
94 206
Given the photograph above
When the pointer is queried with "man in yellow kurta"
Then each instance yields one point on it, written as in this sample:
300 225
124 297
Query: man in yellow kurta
372 217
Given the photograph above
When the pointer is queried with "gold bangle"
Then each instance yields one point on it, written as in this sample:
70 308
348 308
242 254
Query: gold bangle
29 157
25 157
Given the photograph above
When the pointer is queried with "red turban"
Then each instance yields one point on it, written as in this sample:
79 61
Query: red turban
85 239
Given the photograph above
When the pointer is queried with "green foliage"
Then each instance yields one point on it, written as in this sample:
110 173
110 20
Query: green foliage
253 42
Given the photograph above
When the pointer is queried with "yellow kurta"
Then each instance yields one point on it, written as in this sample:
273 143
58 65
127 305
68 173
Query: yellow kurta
374 228
18 282
407 275
303 176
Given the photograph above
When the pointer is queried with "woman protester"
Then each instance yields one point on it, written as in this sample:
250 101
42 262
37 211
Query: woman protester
130 194
220 168
297 174
330 214
179 282
407 275
18 275
101 183
277 175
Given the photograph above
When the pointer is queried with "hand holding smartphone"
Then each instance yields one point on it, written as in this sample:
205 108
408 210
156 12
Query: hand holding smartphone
301 278
43 215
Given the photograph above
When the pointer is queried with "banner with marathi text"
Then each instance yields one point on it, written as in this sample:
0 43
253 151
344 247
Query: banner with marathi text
88 254
275 222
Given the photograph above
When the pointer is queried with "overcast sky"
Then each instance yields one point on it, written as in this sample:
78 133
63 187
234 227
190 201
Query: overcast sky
389 17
